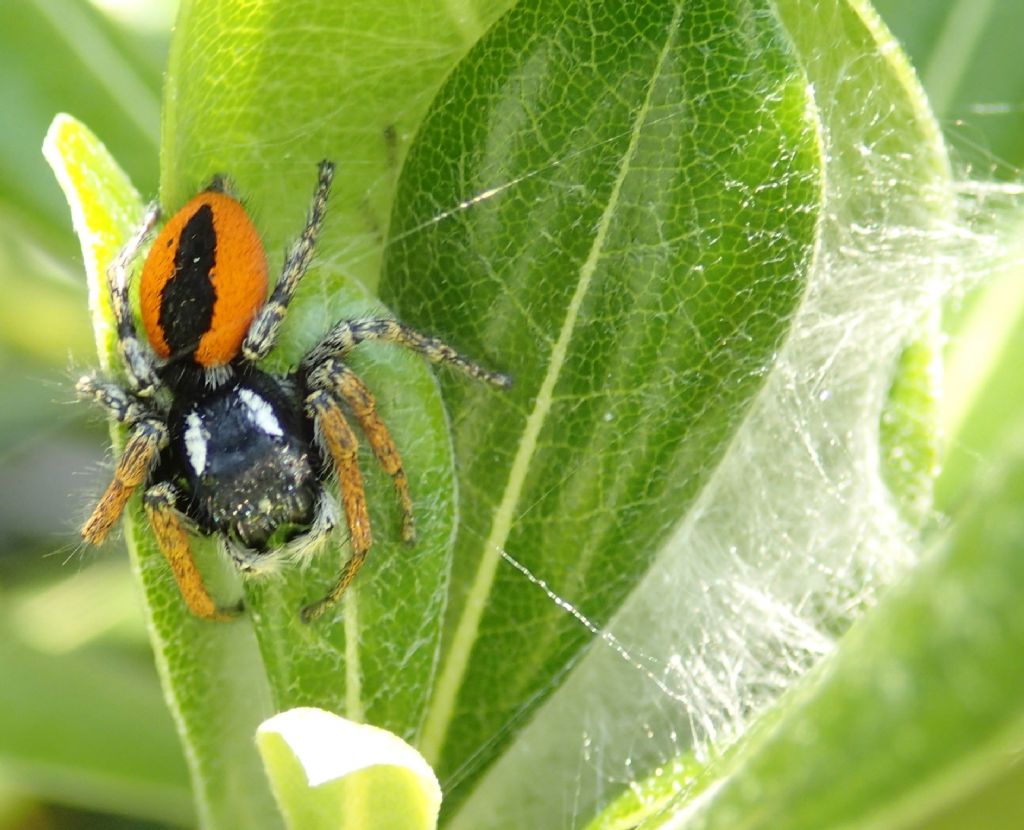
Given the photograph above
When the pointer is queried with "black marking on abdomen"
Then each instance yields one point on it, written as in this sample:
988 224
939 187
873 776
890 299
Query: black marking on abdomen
187 299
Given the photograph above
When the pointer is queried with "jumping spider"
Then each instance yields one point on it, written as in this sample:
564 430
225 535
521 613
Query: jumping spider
222 447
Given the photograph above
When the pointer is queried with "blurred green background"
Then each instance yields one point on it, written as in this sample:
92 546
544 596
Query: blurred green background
77 685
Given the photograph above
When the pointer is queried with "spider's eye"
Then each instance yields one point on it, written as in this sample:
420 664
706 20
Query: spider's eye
203 281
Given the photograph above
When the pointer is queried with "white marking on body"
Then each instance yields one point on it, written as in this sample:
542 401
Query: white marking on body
195 442
216 376
260 412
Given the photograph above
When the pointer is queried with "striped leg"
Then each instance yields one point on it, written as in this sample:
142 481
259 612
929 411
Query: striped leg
348 334
340 441
136 356
263 331
120 404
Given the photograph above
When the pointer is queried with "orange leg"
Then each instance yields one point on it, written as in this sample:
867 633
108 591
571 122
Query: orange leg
333 374
140 453
161 510
341 442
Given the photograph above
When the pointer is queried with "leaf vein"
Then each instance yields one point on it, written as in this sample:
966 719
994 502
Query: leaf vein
443 702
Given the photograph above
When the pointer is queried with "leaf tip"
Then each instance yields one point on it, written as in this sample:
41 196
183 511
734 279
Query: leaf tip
346 767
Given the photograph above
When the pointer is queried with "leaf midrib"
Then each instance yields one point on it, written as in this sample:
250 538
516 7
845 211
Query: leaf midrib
456 661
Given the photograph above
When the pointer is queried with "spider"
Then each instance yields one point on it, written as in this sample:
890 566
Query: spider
221 447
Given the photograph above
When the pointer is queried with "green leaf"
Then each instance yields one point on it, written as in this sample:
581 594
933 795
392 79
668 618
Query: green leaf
788 747
328 772
619 209
984 379
264 92
211 673
797 532
903 182
910 433
104 206
347 82
219 685
654 795
618 206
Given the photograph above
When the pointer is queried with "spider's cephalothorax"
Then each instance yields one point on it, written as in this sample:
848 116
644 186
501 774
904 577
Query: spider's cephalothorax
221 446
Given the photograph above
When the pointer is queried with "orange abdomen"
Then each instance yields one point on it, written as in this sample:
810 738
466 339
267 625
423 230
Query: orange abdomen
203 281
